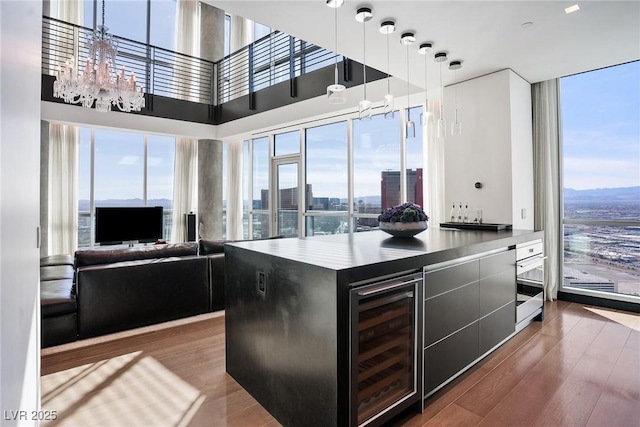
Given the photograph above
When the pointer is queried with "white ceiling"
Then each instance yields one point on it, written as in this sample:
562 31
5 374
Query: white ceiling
486 35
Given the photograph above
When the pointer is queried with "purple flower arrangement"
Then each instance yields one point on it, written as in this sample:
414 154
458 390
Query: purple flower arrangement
406 212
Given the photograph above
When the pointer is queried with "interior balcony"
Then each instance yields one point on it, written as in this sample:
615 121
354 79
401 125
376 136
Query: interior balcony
274 71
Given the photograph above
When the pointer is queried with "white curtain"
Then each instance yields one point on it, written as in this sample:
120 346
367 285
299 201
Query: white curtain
546 158
434 174
237 71
63 189
187 41
234 191
68 10
185 186
241 32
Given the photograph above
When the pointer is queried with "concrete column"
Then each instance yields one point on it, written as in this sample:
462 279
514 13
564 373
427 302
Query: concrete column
210 151
211 32
44 188
210 189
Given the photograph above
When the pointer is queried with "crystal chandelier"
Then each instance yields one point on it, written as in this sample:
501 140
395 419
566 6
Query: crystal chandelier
99 82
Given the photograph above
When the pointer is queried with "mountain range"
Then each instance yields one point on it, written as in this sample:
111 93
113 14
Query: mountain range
619 194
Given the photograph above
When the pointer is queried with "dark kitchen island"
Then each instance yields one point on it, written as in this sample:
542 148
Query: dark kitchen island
353 329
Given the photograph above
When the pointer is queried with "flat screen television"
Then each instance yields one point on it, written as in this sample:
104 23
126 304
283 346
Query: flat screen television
117 225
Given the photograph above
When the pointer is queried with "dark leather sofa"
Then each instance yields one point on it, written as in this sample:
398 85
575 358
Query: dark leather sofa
128 288
103 291
58 305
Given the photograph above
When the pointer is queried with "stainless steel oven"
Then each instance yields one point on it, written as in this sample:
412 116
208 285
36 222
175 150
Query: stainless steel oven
530 282
386 331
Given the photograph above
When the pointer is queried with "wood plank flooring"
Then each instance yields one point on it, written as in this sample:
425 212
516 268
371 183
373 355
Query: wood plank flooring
579 367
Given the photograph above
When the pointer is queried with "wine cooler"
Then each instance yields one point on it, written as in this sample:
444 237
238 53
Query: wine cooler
385 343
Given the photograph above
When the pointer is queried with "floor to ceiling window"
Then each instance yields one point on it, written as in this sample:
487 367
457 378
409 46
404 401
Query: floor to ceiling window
327 211
351 170
601 175
123 169
154 20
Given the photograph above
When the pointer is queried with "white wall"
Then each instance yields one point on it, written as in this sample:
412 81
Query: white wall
495 148
20 41
521 152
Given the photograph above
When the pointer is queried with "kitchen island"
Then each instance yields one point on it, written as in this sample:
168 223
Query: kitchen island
313 325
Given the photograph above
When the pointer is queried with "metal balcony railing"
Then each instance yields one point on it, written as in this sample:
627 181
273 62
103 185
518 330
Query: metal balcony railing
274 58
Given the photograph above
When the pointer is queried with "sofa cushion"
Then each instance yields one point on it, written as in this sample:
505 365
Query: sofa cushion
208 247
85 258
57 297
59 330
56 260
56 272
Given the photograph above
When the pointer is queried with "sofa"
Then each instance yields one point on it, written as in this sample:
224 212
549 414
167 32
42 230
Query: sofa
101 291
58 305
127 288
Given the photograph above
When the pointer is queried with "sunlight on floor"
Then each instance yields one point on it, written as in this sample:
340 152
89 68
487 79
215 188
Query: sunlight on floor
132 384
626 319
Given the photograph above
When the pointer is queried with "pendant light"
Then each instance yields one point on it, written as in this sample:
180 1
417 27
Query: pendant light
441 125
409 126
336 92
426 116
456 126
387 28
364 15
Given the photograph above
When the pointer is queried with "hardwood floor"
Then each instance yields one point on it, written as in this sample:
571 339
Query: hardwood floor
580 367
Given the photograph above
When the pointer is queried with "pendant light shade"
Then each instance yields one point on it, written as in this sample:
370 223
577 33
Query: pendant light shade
364 15
456 126
387 28
336 93
409 126
441 125
426 116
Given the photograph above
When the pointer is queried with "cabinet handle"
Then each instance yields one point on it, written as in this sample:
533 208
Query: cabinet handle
388 287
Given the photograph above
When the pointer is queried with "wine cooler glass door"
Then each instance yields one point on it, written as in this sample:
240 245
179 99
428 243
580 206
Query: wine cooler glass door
384 347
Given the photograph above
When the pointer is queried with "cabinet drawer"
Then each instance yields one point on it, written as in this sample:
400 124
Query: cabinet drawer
450 311
496 263
497 326
497 290
529 249
448 357
446 279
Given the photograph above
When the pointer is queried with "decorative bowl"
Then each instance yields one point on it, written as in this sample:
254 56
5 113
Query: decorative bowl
403 229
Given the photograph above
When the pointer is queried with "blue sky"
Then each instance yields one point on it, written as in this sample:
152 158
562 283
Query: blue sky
601 128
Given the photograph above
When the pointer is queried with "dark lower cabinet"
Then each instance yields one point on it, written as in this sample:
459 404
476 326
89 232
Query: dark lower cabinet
469 309
496 326
449 356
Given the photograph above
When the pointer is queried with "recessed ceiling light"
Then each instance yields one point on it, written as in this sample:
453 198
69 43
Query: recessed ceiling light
571 9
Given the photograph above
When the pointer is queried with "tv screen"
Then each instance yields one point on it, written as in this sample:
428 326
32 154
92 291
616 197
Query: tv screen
115 225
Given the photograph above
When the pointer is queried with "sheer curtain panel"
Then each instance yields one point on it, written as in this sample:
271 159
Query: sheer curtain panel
185 186
63 189
434 165
234 191
546 155
187 41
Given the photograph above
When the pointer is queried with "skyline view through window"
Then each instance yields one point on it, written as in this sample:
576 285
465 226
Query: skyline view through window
601 174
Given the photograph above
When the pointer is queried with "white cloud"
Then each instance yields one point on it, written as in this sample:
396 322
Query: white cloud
588 173
128 160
